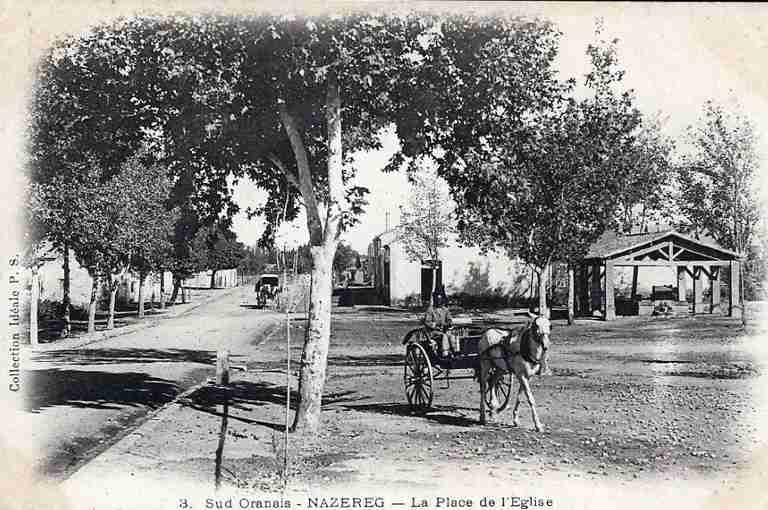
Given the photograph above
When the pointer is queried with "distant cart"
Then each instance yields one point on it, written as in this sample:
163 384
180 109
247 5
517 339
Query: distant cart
267 288
424 366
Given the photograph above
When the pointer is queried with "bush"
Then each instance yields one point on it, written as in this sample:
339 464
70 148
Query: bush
490 300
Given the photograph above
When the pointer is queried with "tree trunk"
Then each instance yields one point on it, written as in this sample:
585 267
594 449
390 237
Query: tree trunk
33 300
92 304
315 353
571 294
324 238
635 271
113 286
66 299
175 291
142 277
741 296
543 310
162 290
213 279
183 294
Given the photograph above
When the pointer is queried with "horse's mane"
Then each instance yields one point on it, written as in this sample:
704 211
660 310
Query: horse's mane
525 343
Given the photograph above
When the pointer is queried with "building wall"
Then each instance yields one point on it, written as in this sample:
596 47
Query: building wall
52 282
225 278
465 270
128 290
404 275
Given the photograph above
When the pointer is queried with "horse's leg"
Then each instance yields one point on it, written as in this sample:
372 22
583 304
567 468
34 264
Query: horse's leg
483 375
515 420
531 402
491 388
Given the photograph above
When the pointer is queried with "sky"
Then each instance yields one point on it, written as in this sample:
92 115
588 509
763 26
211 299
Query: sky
676 57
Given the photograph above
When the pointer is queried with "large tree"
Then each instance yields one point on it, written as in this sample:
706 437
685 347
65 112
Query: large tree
547 194
86 112
717 182
308 93
717 178
70 212
289 100
142 187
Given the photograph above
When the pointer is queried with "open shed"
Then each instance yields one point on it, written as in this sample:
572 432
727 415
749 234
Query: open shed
700 261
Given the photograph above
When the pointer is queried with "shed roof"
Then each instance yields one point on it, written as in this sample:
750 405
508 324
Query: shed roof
612 244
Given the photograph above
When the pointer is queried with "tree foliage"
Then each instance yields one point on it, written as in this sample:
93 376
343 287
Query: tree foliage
549 193
717 178
426 221
648 194
218 248
345 257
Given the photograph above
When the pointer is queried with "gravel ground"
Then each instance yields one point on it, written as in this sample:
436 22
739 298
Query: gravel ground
637 413
652 399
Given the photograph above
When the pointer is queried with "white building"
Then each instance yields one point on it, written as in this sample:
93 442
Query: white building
464 270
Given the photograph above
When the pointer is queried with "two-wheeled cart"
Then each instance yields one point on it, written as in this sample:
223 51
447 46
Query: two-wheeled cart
424 366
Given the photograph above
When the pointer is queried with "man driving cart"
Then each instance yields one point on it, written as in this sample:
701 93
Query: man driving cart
438 322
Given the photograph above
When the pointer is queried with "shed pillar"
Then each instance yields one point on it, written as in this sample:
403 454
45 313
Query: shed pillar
698 290
595 300
715 297
681 289
734 299
583 286
608 297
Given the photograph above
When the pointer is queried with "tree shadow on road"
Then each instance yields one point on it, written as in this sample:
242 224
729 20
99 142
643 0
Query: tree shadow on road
244 396
95 390
253 307
367 361
117 356
444 415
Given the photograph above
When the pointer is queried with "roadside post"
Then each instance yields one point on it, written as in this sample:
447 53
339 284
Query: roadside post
222 367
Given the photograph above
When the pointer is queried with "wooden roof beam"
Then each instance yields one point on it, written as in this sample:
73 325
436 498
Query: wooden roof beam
673 263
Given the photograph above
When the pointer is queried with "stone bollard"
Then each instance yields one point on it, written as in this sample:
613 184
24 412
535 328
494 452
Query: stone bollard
222 367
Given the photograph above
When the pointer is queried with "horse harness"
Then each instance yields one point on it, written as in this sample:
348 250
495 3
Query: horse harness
526 346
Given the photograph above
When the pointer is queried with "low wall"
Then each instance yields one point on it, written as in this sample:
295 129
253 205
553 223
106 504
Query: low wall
350 296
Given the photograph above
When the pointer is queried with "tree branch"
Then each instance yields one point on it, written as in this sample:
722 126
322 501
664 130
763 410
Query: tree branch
272 157
336 196
306 187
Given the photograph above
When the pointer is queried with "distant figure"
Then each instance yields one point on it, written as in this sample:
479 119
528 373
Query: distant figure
438 322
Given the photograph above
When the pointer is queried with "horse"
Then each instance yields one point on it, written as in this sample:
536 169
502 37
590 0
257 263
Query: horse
520 354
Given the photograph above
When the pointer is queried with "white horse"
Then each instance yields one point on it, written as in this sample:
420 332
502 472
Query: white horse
521 353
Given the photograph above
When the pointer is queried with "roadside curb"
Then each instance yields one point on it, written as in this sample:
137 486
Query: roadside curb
100 336
131 436
138 433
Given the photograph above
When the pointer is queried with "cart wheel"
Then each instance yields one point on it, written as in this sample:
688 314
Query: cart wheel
500 382
417 378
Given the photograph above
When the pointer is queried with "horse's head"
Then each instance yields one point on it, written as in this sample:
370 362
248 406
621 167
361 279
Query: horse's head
540 329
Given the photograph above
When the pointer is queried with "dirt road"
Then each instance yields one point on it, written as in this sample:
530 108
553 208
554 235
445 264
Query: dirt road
78 401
